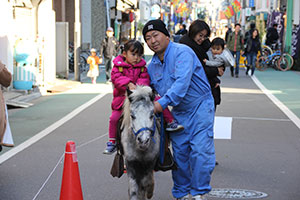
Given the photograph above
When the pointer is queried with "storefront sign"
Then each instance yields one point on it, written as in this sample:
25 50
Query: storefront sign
251 3
248 12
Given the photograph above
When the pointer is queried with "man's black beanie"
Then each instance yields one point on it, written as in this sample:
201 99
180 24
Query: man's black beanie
155 24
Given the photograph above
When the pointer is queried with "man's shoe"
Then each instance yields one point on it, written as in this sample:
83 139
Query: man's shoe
232 74
186 197
110 148
174 126
236 76
199 197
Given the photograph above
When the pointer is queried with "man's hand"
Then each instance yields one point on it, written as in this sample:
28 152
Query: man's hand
217 85
131 86
157 107
204 60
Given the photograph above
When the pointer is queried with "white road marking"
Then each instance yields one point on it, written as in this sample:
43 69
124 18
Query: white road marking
278 103
48 130
262 119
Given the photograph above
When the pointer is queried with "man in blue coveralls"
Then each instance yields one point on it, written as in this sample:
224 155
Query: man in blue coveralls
179 78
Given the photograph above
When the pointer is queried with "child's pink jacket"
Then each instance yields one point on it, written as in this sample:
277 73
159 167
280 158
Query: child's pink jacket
123 73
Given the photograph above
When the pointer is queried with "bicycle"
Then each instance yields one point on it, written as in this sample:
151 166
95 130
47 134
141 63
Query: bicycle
277 60
266 50
286 58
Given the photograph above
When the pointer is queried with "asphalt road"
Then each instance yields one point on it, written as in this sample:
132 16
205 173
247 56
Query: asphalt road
262 155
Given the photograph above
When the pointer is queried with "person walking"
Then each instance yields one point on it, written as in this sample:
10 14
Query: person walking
5 80
252 47
179 78
197 39
236 45
93 60
108 50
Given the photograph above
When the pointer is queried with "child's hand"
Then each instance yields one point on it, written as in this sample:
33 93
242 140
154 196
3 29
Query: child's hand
217 85
131 86
221 71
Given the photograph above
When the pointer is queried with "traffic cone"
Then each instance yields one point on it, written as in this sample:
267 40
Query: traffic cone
71 186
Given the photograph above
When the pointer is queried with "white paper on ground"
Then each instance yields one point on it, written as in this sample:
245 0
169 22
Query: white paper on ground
7 138
222 127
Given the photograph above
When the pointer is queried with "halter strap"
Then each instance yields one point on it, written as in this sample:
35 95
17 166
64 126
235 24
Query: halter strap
146 129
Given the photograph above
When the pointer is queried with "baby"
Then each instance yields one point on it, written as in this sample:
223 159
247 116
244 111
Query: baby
218 55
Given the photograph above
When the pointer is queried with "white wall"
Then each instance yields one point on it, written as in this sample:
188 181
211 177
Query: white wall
86 21
6 35
47 34
62 45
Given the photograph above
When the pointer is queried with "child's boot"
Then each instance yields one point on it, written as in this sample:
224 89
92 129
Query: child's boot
110 148
174 126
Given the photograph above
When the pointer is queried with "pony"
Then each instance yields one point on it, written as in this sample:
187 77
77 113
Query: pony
140 141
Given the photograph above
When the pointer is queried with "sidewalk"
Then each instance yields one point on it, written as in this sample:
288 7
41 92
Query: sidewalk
22 98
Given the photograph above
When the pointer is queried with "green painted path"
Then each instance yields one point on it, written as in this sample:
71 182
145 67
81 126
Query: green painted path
285 86
26 123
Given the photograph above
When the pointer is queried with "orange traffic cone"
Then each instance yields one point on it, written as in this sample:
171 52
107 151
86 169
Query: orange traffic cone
71 186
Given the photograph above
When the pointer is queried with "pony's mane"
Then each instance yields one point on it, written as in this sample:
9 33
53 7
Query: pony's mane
140 93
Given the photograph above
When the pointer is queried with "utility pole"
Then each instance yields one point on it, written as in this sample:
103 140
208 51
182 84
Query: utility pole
288 34
77 41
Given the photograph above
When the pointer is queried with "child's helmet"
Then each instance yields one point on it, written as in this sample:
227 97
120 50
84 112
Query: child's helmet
93 50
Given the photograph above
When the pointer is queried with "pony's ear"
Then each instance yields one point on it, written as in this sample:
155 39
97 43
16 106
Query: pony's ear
129 92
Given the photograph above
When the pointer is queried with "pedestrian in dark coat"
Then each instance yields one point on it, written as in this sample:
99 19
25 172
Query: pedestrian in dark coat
109 49
197 39
252 47
272 35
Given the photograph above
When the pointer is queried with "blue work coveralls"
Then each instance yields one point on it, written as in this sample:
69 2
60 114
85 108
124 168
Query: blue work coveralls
181 82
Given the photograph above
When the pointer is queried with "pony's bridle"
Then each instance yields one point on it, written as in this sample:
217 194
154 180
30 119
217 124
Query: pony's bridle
146 129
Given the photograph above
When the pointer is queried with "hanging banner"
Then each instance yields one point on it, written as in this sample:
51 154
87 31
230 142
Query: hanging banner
296 42
236 6
277 18
229 12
